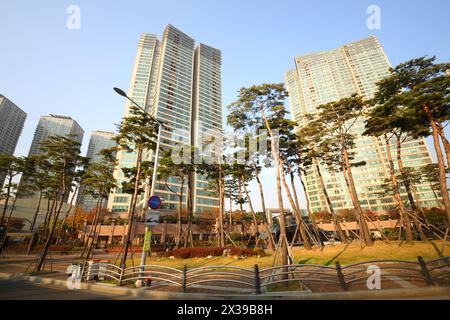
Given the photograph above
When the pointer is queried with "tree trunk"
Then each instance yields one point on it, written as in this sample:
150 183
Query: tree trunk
419 206
48 217
97 230
297 214
88 240
49 204
439 201
265 226
342 235
221 190
297 202
132 209
180 206
33 222
11 212
261 195
278 164
230 216
241 207
396 191
294 190
222 210
308 205
61 229
308 209
354 196
188 234
404 174
445 143
268 224
43 255
8 196
441 164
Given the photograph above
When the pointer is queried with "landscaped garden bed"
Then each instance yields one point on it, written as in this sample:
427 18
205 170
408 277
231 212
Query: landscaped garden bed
187 253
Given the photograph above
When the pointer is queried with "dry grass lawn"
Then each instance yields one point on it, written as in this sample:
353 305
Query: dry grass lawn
351 253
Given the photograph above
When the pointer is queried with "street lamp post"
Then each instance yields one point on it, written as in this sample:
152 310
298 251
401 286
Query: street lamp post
155 165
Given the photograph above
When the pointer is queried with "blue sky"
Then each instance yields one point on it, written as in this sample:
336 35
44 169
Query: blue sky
47 68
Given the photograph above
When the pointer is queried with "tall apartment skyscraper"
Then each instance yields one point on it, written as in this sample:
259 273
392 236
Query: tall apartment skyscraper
206 114
12 120
329 76
99 140
181 86
52 125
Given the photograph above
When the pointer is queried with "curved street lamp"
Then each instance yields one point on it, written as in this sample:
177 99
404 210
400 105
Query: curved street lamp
155 166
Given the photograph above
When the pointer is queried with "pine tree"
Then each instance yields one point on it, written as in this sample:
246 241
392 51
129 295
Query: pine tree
423 88
10 167
137 133
182 173
338 120
63 155
257 105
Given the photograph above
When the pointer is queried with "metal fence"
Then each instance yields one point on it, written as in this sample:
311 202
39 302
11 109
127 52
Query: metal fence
299 277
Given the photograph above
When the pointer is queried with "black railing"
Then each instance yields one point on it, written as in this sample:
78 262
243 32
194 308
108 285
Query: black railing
305 277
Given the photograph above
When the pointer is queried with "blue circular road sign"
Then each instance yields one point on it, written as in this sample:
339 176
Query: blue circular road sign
154 202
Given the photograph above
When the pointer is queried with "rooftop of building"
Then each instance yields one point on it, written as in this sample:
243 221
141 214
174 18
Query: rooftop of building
59 116
372 37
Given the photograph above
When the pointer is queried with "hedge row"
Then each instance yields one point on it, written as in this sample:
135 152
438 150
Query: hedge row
186 253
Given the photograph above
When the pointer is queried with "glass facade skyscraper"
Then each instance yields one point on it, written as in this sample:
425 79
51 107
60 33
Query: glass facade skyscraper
12 120
99 140
53 125
178 84
207 115
328 76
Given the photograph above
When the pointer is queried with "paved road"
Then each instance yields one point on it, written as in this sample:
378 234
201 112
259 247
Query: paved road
20 290
57 270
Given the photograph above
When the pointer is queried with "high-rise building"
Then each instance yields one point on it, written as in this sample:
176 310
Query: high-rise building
206 115
12 119
179 85
99 140
53 125
328 76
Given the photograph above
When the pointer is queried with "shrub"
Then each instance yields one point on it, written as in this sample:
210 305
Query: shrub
236 236
347 214
322 216
186 253
391 234
435 215
116 249
249 252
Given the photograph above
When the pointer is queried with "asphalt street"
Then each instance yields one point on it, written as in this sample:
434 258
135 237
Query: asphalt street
20 290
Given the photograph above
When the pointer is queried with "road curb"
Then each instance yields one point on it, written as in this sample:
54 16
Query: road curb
143 293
